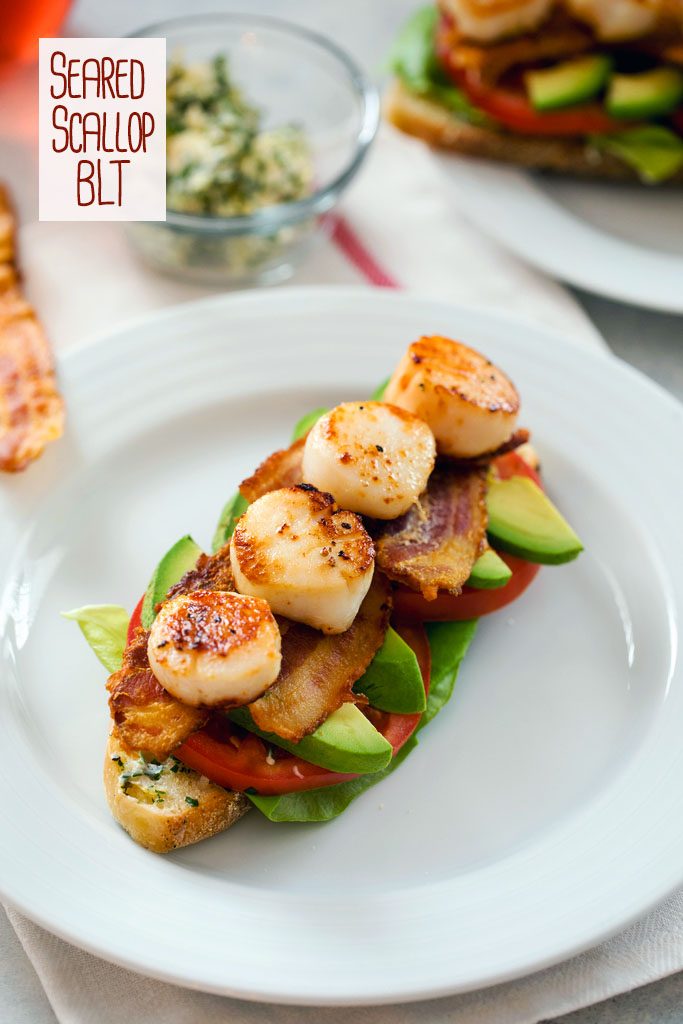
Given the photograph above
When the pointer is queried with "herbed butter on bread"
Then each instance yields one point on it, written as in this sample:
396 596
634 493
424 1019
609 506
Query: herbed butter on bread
166 805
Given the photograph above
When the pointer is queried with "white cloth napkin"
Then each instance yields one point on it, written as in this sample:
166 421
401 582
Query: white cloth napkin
84 280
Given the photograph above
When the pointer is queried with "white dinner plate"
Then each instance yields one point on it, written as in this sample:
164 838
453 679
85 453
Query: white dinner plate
622 241
541 811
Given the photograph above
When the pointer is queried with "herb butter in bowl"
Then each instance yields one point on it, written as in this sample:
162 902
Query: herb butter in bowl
267 124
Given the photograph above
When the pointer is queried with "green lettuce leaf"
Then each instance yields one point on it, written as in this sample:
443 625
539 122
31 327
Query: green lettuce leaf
413 60
327 803
306 422
412 55
233 509
104 626
654 151
393 681
378 393
448 642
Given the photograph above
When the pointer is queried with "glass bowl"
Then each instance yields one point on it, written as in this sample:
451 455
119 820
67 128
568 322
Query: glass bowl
294 77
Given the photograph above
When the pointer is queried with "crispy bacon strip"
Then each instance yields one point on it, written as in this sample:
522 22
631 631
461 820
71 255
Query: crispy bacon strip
559 37
148 718
31 408
281 469
318 671
435 544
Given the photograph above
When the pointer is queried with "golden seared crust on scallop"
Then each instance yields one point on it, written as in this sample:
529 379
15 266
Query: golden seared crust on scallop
375 458
470 405
214 648
309 561
165 806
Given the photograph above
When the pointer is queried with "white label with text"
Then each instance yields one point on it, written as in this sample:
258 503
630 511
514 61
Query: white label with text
102 129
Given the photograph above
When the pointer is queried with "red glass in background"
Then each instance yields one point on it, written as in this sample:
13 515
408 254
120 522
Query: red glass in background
23 22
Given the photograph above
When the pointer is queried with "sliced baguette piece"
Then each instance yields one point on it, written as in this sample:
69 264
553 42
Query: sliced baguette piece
156 812
421 117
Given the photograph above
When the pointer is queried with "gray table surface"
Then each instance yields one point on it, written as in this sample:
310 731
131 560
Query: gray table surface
653 342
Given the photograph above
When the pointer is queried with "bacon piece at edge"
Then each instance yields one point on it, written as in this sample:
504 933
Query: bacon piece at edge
281 469
31 408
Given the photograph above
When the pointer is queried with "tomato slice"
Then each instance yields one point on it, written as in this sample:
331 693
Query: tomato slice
471 603
242 761
135 619
512 464
239 761
512 108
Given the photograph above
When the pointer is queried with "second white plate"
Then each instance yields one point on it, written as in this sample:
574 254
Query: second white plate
621 241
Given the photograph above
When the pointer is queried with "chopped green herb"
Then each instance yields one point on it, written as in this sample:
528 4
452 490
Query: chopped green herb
191 801
220 160
148 769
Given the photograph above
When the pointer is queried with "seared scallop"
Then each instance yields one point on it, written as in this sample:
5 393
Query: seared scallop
373 457
470 405
490 20
215 648
618 19
308 560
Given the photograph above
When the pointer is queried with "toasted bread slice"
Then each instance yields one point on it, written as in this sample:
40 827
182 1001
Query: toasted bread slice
170 807
427 120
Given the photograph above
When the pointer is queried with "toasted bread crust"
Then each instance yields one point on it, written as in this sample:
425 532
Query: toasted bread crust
431 122
167 822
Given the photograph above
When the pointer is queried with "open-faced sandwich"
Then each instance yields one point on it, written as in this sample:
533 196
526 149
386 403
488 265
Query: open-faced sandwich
583 87
291 669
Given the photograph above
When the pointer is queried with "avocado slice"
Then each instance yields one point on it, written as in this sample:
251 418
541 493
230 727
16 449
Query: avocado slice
523 521
346 741
648 94
176 562
568 83
306 422
232 510
392 680
489 571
